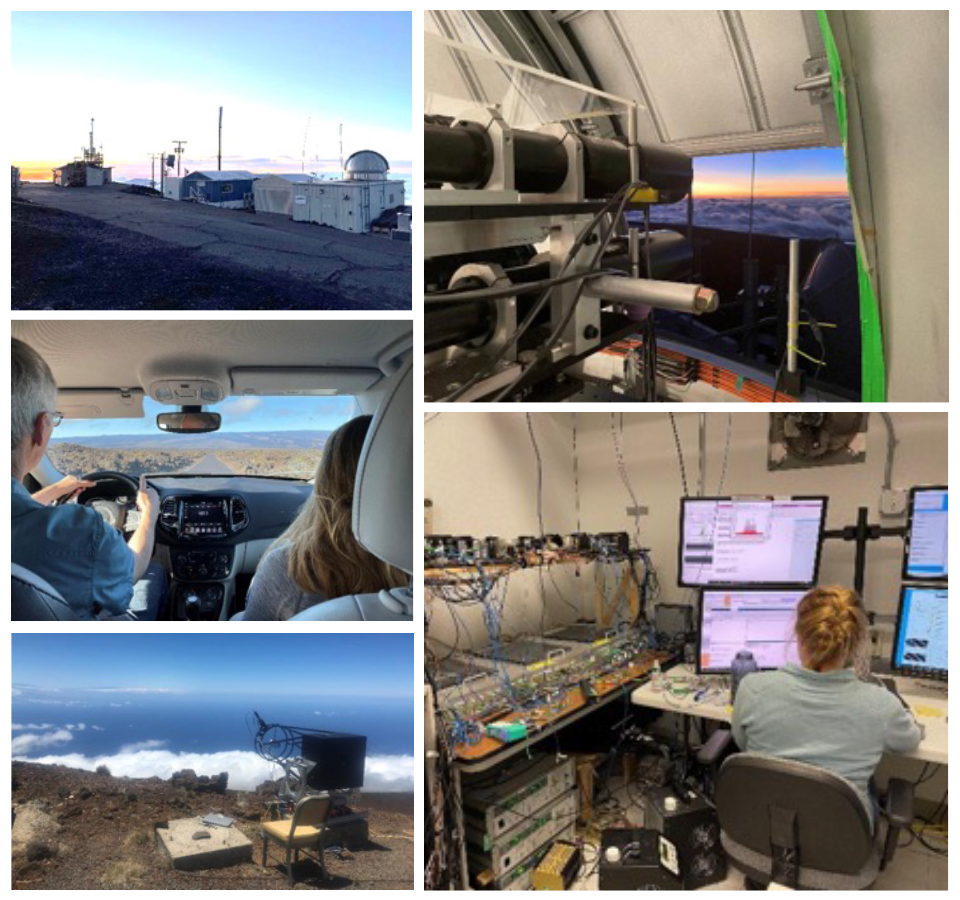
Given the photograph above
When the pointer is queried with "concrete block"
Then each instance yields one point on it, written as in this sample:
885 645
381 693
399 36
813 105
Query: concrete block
224 847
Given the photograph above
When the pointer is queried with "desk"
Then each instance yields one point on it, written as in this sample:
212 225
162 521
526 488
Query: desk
928 704
489 752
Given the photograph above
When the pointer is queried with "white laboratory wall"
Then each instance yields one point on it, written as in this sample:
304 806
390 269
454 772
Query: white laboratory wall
480 471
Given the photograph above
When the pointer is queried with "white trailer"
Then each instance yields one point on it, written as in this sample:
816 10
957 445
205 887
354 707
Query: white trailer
347 205
172 188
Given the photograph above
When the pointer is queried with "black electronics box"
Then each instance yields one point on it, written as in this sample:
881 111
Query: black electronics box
689 836
637 867
339 760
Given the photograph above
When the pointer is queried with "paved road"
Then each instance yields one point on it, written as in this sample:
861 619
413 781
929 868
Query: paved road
264 241
211 464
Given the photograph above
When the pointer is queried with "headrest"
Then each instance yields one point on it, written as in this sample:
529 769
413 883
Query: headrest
383 497
35 600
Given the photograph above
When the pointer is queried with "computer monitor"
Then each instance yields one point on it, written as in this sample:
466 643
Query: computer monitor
925 548
751 540
761 620
920 641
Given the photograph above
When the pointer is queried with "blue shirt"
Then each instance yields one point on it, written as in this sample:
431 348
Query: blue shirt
827 719
72 548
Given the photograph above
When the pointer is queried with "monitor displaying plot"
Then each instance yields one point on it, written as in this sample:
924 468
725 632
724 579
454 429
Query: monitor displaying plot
925 548
920 642
751 540
759 620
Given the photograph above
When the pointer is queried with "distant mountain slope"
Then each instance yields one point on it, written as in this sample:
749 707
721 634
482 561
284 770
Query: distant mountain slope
217 440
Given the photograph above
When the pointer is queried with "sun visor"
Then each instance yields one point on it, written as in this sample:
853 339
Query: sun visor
299 381
100 404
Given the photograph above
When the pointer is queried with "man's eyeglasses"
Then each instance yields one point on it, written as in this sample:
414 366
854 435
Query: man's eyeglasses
55 417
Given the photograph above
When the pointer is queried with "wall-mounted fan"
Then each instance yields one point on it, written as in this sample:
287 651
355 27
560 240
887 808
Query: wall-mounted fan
807 440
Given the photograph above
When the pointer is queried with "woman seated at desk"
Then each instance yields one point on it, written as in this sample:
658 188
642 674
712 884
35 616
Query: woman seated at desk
820 712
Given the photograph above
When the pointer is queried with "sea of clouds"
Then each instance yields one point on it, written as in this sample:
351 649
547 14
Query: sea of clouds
818 218
151 758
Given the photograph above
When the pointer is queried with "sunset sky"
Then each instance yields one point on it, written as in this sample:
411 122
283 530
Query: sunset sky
150 78
780 173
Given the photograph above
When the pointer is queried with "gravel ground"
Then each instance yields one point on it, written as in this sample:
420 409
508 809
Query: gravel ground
198 258
103 837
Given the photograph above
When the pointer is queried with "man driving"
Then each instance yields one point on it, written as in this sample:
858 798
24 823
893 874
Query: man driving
71 546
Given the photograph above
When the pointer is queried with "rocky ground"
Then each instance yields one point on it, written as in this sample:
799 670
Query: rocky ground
80 830
189 257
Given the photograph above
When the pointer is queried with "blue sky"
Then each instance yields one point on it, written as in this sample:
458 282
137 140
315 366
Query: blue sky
316 665
151 78
239 414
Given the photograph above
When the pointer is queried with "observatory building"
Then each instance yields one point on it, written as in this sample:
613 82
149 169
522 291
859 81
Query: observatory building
365 193
87 170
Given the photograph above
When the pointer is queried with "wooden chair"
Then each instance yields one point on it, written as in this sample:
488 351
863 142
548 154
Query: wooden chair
301 833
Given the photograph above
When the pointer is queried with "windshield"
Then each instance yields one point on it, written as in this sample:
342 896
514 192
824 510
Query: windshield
278 437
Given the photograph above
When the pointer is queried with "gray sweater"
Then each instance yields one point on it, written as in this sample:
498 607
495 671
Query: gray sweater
827 719
273 596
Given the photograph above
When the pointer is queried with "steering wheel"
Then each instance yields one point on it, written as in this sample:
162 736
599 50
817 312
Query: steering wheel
102 499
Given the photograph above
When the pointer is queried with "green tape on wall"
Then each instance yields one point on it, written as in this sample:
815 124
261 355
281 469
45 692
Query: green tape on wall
873 380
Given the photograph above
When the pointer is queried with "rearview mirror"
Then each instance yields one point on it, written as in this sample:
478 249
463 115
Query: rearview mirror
189 422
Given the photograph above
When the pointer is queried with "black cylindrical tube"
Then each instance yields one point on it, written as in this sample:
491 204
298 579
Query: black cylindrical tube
606 167
666 169
461 155
539 162
456 323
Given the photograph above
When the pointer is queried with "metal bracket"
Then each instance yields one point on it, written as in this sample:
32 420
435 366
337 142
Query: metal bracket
492 275
817 83
502 177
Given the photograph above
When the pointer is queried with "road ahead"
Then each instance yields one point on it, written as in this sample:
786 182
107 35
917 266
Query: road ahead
355 265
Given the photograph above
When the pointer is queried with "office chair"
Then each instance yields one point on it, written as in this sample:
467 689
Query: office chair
805 828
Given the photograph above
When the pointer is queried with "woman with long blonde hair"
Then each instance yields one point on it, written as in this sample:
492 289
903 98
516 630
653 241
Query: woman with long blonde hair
819 712
318 558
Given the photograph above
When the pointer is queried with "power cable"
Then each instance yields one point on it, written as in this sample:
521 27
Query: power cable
676 440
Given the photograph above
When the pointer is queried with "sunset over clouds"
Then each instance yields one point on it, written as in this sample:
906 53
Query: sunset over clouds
780 173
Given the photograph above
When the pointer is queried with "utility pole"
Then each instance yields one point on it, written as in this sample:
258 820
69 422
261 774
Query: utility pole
163 168
153 158
179 151
341 151
220 140
303 152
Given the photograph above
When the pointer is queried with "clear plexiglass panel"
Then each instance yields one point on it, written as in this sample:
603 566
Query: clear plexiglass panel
465 82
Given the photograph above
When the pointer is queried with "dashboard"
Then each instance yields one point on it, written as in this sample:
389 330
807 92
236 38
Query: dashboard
225 510
210 529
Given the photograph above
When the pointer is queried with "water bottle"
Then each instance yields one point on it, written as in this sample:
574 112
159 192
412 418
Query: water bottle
743 664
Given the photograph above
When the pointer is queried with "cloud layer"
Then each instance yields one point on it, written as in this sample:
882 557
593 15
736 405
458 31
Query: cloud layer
247 770
801 217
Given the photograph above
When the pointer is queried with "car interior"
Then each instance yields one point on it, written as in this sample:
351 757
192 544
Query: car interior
225 499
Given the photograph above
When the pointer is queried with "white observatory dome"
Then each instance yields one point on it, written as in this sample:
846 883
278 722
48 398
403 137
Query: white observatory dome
366 165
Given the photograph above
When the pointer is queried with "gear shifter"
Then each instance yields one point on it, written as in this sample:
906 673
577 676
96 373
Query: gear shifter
191 606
